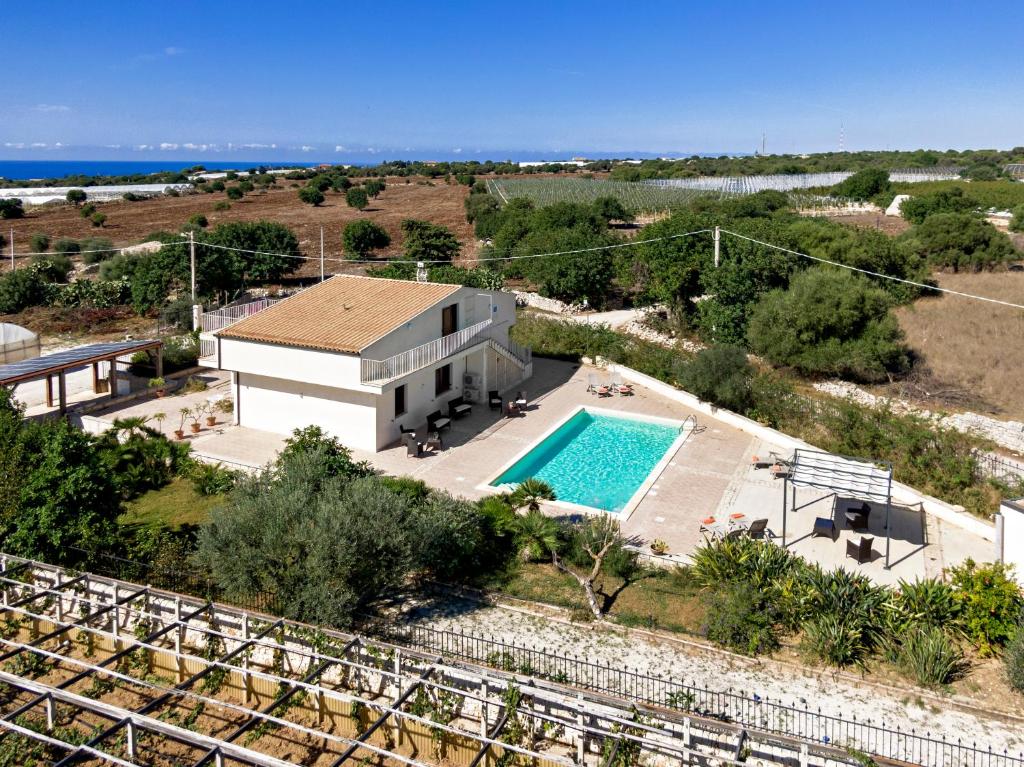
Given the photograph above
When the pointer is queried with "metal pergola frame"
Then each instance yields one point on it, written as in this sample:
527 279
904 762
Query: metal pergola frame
839 475
138 618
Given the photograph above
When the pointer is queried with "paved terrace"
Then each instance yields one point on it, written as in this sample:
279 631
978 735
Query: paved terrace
710 475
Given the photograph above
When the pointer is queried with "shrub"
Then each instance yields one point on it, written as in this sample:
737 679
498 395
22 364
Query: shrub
234 193
1017 222
211 479
952 200
98 219
720 375
959 241
39 243
222 205
927 602
830 322
930 656
362 236
311 195
374 187
990 603
737 618
75 196
11 207
1014 659
96 249
53 267
428 242
198 221
21 289
66 246
87 210
835 639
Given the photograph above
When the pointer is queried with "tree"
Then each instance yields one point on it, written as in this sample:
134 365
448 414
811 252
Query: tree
311 195
864 184
75 196
356 198
11 207
830 322
429 242
67 246
235 193
87 210
21 289
336 458
362 236
721 375
611 209
374 187
530 493
98 219
1017 225
39 243
958 241
197 221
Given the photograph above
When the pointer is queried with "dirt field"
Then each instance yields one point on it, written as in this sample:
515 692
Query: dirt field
130 222
972 346
891 225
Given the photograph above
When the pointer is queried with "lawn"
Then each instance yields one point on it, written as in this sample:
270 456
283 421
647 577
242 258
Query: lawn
175 505
657 598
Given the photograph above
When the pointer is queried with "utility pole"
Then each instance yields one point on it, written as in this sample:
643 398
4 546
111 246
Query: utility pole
12 248
718 244
321 254
192 260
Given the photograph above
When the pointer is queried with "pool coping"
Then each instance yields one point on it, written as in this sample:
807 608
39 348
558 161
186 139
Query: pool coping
638 495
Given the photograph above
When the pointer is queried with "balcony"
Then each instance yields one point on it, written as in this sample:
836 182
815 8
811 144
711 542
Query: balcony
380 371
218 319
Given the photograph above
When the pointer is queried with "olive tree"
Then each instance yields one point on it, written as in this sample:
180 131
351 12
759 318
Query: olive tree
362 236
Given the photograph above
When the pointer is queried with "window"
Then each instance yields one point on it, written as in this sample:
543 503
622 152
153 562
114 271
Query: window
449 319
400 400
442 379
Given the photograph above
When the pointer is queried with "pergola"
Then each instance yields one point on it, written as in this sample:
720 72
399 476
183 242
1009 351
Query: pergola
59 364
840 476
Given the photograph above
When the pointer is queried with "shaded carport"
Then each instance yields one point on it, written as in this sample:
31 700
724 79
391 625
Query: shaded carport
840 476
59 364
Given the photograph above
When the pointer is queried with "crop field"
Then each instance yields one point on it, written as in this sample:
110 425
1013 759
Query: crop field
636 196
780 182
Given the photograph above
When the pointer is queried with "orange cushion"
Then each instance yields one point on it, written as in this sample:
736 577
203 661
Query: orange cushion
737 516
708 521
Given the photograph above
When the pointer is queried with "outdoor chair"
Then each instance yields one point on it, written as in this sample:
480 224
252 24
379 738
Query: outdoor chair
494 399
413 449
758 528
857 518
458 407
824 526
513 409
619 386
521 400
405 430
860 550
437 422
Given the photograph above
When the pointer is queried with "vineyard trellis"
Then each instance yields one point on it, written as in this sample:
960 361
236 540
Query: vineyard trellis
635 196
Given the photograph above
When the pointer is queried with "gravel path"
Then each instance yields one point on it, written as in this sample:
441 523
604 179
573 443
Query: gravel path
716 670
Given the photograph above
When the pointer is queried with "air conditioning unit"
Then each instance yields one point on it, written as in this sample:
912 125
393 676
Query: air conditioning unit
471 380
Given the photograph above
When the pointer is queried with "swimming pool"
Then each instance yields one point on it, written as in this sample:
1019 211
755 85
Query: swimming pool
598 459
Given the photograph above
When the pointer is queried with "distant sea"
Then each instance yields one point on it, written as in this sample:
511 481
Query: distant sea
35 169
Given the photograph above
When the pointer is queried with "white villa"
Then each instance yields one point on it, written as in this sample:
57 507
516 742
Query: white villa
363 357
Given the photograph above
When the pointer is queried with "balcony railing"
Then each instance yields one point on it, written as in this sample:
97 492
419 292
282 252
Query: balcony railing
218 319
378 371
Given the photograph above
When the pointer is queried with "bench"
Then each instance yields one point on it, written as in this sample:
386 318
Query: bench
458 407
436 421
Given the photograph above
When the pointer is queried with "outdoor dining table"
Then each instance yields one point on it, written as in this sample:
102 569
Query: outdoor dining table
721 528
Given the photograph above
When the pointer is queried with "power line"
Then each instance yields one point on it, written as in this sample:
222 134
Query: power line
874 274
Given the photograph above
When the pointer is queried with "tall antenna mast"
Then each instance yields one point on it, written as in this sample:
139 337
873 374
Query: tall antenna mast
842 138
763 135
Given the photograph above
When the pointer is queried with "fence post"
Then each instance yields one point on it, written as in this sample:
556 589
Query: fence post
60 596
484 707
803 755
581 720
245 658
178 638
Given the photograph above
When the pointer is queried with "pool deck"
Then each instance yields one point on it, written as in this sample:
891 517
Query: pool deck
709 475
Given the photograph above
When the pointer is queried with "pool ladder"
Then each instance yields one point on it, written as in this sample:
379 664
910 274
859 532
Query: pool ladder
687 420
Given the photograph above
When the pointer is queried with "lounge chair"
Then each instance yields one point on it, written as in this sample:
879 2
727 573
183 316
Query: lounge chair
758 528
412 447
860 550
600 389
494 399
405 430
436 421
458 407
824 526
619 386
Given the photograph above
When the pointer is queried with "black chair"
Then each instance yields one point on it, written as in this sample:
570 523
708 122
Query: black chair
412 447
437 422
405 430
857 517
824 526
494 399
860 550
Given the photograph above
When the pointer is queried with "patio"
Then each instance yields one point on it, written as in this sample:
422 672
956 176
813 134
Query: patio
710 475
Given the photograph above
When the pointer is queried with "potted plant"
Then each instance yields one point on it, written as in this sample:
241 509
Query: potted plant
211 419
194 416
180 431
158 385
659 547
159 418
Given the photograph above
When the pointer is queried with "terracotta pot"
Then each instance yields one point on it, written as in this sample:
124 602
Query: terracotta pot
195 428
179 433
211 420
159 393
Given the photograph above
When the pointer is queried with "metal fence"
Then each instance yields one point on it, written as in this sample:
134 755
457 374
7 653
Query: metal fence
992 466
736 706
420 357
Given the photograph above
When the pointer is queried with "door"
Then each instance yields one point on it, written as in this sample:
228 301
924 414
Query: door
449 319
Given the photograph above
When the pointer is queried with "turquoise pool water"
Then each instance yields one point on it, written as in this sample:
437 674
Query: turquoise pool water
595 460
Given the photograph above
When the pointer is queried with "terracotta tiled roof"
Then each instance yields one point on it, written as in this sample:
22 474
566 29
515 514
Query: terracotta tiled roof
344 314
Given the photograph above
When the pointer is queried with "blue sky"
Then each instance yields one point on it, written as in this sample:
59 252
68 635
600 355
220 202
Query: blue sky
331 80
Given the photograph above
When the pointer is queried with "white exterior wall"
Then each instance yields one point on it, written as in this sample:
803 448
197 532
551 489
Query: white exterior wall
293 363
1012 536
280 406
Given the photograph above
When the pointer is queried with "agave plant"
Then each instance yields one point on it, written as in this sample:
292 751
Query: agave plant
931 656
836 639
927 602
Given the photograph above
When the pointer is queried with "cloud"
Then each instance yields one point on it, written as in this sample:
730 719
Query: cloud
167 147
14 145
173 50
51 108
339 148
111 146
307 148
457 150
250 146
143 147
38 145
200 147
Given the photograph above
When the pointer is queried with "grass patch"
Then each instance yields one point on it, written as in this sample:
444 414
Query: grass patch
657 598
175 505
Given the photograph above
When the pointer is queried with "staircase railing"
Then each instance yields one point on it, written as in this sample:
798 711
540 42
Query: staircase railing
375 371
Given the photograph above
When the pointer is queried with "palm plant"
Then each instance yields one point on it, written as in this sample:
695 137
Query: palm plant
530 493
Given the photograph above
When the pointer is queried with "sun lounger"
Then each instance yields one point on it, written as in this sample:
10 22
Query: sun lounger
757 528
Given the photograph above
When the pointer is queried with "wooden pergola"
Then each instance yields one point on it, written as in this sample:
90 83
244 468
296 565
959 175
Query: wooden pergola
58 365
